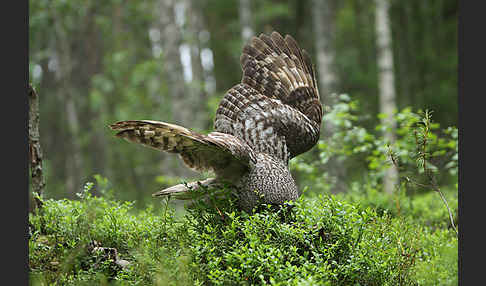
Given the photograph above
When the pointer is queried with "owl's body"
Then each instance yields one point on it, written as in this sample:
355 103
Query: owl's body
273 115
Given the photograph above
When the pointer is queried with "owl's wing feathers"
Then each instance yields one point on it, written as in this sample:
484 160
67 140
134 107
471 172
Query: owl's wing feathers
279 69
265 124
213 152
276 107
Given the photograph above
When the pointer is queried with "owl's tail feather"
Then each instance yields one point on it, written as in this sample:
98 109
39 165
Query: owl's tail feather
182 191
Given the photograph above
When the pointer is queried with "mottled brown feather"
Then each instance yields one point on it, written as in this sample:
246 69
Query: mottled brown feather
273 115
277 67
199 152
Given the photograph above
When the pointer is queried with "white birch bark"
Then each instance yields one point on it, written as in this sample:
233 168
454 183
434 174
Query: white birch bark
245 20
386 83
322 17
197 100
171 40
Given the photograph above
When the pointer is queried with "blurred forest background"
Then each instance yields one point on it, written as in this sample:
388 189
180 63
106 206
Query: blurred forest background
97 62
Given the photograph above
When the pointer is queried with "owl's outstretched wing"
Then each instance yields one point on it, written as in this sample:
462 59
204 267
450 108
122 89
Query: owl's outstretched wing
276 108
213 152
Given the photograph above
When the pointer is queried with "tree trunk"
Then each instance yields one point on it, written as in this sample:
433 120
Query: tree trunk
97 149
323 16
245 20
171 41
195 24
182 113
74 166
35 152
386 84
323 21
63 75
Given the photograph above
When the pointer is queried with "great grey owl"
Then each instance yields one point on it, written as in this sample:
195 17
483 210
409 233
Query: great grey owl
273 115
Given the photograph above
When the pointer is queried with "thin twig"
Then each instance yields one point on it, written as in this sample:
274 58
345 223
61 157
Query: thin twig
437 189
422 151
428 172
448 209
431 185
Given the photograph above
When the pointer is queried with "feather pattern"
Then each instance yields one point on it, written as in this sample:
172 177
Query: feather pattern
276 107
212 152
277 68
271 116
267 125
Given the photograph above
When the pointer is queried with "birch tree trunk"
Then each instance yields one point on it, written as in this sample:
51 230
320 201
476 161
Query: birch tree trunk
323 16
323 21
195 24
386 84
173 71
245 20
182 113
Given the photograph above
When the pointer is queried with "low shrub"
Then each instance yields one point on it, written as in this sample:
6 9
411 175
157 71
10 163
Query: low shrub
313 241
426 209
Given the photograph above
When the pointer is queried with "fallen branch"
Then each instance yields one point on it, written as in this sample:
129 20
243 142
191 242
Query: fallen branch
106 253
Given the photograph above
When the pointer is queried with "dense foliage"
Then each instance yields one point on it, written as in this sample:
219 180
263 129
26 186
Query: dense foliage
321 241
367 154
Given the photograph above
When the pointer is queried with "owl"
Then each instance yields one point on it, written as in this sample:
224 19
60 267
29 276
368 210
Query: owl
273 115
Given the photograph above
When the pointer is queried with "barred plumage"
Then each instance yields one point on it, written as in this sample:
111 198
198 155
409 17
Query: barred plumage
273 115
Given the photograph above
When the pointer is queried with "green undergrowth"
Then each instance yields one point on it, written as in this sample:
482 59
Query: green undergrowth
313 241
426 209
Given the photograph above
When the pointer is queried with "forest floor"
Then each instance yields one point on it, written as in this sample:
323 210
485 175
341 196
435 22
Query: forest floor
370 239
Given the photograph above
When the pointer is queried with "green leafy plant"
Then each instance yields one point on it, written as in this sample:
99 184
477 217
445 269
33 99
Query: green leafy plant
422 134
319 241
